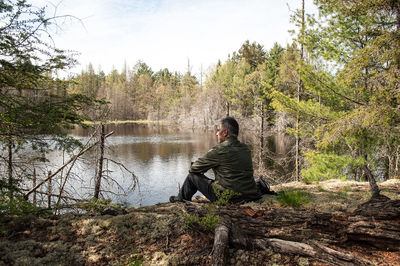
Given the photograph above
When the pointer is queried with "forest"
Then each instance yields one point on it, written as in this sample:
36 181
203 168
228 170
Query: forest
334 91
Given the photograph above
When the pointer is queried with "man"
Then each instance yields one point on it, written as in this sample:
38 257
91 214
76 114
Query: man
233 169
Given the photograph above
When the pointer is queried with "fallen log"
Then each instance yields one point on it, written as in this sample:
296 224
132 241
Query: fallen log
221 244
283 246
307 233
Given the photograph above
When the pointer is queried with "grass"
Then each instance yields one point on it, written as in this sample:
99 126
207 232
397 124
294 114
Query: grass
339 195
293 199
136 260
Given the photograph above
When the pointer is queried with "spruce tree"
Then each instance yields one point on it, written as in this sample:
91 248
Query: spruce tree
352 109
35 106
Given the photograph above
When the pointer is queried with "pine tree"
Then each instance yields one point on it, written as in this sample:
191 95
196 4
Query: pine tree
351 108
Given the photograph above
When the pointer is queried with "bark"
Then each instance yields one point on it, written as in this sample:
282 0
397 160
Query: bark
372 182
10 171
46 193
289 247
100 165
221 244
261 154
322 236
49 192
34 184
299 90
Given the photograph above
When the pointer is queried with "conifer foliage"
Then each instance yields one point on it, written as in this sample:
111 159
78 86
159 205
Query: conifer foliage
35 107
31 101
351 101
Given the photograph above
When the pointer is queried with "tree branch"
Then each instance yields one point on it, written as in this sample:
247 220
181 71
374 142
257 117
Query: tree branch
62 167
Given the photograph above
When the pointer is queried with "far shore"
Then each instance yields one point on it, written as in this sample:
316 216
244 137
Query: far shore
117 122
181 125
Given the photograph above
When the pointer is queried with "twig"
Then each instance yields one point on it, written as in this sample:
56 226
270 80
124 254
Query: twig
69 171
54 195
62 167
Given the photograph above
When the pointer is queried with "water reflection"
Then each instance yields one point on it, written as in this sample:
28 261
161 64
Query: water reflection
158 155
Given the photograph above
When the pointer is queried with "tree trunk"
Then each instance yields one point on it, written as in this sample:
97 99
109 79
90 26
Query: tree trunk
62 167
49 191
33 185
388 168
297 156
159 111
100 165
299 89
261 154
10 170
372 182
396 164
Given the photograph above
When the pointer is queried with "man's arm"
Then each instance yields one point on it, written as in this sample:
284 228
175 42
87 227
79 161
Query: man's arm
208 161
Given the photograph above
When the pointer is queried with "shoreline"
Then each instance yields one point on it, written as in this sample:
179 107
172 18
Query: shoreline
159 234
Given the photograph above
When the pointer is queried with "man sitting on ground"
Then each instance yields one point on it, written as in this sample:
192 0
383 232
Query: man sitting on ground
232 165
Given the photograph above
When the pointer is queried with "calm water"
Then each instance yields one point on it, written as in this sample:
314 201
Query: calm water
159 156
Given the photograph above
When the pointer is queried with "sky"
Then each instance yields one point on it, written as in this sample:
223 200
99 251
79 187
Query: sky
168 33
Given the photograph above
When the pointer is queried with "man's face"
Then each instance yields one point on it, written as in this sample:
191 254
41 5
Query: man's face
222 134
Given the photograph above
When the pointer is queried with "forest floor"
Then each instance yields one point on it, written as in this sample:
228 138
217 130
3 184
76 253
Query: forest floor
158 235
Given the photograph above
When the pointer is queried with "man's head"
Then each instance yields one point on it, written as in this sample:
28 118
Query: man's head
228 127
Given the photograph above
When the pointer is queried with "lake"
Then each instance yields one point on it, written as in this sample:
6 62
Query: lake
159 156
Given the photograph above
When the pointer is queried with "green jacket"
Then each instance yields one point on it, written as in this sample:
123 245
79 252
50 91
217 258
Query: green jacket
232 166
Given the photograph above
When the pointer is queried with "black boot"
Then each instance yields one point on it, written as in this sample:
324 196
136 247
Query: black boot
175 199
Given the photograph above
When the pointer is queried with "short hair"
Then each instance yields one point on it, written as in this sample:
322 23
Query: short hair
230 124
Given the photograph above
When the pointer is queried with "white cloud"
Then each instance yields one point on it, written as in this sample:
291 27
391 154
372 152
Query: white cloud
166 33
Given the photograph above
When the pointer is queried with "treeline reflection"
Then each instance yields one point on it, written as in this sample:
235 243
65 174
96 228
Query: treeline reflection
147 141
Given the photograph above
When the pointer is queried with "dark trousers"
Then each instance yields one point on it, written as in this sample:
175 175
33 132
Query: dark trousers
197 182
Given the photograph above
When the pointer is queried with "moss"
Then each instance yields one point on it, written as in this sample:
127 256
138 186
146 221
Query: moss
276 258
156 233
303 261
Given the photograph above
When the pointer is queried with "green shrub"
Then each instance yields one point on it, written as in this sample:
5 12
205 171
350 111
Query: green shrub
17 205
97 205
293 198
323 166
208 222
205 223
223 198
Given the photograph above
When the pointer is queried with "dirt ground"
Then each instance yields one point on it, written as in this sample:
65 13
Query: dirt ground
157 235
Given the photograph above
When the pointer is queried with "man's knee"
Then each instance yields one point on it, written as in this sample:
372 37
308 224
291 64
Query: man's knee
193 178
196 178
